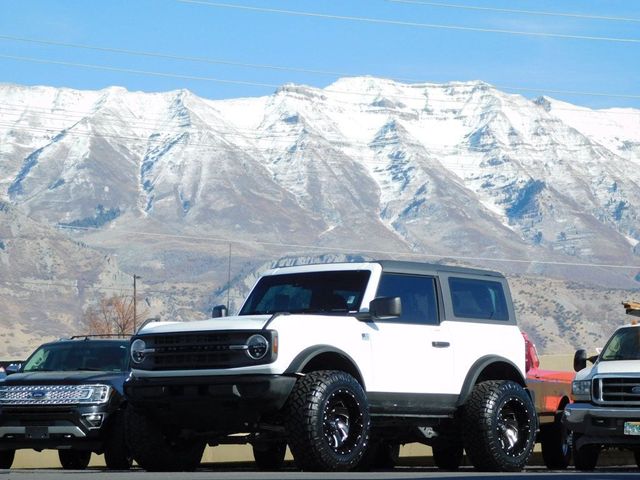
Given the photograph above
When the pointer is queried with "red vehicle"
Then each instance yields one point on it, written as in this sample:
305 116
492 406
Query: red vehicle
552 392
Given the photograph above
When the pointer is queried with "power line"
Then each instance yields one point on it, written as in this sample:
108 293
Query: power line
524 12
342 249
285 68
381 21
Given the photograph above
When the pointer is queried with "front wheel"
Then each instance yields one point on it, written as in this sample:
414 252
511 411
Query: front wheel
499 426
74 459
6 458
116 453
269 456
327 421
448 456
585 458
157 451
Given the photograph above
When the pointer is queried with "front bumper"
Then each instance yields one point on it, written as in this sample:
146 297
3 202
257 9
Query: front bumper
50 427
221 401
600 424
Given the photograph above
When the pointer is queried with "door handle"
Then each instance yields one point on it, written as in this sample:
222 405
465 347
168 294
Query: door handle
441 344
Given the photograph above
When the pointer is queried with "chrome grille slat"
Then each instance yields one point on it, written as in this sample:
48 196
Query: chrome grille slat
50 394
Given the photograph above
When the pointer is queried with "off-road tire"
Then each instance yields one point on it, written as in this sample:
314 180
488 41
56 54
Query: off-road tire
499 426
448 456
74 459
327 421
270 456
154 450
116 452
585 458
6 458
556 445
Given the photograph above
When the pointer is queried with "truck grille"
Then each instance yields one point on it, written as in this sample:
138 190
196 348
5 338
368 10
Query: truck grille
616 390
14 395
201 350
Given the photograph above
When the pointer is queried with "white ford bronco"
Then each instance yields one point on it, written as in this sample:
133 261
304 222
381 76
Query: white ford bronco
606 411
343 363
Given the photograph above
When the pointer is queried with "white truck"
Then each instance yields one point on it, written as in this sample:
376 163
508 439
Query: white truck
606 408
343 363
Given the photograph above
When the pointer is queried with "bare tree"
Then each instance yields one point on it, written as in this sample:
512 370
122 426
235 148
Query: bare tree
112 316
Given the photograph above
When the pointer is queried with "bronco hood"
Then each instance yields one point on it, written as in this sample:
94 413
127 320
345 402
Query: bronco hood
244 322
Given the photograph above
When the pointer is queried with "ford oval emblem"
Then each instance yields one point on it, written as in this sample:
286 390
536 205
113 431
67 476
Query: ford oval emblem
38 394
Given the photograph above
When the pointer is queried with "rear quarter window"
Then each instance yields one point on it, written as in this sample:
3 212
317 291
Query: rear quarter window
480 299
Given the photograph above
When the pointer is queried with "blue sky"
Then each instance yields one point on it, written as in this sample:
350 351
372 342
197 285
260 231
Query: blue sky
401 51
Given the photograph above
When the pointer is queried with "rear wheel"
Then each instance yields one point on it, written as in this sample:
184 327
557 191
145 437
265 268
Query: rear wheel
448 456
157 451
74 459
327 421
499 424
6 458
556 445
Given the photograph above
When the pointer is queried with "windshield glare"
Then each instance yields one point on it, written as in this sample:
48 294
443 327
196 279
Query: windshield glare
77 356
624 345
326 292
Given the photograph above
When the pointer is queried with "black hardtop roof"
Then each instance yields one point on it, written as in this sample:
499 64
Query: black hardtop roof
395 266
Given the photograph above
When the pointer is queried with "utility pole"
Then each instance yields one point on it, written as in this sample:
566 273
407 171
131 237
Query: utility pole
135 312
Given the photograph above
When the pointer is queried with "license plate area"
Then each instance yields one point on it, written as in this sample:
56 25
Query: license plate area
631 428
36 433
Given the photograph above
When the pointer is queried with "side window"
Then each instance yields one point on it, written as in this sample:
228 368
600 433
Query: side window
482 299
418 295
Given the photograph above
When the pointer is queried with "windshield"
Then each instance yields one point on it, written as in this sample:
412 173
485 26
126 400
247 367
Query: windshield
624 345
79 355
313 292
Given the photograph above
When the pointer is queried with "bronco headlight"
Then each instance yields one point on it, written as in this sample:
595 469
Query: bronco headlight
138 350
581 388
257 347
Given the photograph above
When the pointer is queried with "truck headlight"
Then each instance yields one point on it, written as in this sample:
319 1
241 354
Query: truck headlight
581 388
257 347
138 350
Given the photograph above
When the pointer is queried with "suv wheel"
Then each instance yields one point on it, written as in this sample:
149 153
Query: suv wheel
156 451
556 445
499 425
74 459
327 421
269 456
381 454
447 456
116 452
586 457
6 458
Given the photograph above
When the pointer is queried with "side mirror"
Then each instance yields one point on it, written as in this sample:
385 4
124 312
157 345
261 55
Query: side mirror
385 307
580 360
219 311
13 368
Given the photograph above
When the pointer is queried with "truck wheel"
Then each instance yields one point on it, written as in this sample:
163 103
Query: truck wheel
269 456
636 456
155 451
6 458
447 457
116 452
499 425
74 459
381 454
586 457
327 421
556 448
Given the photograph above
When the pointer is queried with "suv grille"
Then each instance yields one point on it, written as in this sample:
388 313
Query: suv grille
11 395
201 350
616 390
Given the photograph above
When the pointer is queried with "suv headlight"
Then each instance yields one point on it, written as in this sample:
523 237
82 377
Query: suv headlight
139 350
581 388
257 347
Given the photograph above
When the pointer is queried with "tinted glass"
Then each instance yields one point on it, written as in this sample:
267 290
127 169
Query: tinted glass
79 355
418 296
308 293
624 345
481 299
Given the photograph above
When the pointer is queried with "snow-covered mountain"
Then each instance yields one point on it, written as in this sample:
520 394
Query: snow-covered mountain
457 171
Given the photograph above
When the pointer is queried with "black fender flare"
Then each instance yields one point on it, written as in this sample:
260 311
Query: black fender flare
298 364
480 365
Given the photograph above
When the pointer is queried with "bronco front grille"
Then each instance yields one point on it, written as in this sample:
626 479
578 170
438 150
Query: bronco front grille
617 390
201 350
